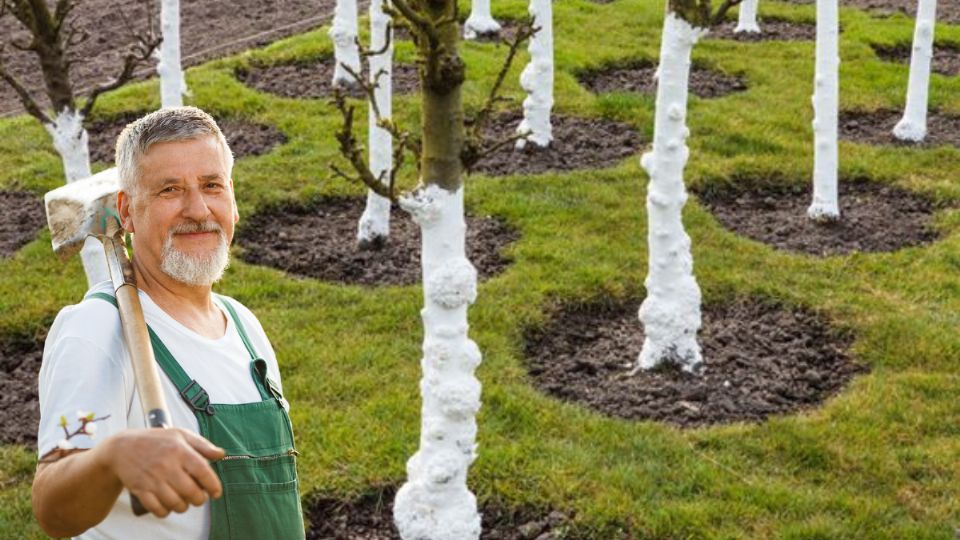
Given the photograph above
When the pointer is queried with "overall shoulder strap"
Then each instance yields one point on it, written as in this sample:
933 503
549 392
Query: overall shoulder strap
240 329
258 367
191 392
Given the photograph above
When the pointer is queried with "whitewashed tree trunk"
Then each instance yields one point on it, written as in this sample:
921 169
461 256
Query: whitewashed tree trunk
435 503
481 21
71 142
826 104
747 18
343 32
671 311
913 125
537 78
173 85
374 227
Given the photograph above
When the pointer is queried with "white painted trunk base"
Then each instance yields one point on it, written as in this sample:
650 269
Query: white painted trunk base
374 224
435 503
173 85
747 18
826 104
480 21
71 142
537 78
671 311
913 125
343 32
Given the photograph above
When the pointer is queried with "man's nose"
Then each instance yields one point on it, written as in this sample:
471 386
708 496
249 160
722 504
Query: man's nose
195 207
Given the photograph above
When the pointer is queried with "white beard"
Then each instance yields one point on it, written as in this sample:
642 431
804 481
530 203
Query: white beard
195 270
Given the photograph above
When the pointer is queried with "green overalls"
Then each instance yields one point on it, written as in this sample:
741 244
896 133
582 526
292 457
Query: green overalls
261 495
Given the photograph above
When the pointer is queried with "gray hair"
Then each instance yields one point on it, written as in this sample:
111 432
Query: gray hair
166 125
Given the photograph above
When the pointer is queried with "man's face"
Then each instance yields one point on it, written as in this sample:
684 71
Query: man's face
183 211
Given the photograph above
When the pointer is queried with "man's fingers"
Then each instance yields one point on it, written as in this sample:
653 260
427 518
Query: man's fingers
202 473
152 504
171 500
188 489
206 448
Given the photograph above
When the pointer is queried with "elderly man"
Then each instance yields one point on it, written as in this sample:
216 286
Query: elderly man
227 470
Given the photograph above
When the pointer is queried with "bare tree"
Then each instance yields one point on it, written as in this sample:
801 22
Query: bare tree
435 503
54 39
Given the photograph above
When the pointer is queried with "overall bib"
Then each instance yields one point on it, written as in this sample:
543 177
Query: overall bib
261 495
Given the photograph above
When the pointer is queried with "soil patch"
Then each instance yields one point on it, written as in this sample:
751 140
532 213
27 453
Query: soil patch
639 77
946 56
770 30
209 29
777 216
313 79
244 137
319 241
371 518
947 12
876 127
19 400
21 218
578 143
760 359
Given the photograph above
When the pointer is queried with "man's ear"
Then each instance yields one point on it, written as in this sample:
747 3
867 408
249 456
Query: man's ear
236 211
123 209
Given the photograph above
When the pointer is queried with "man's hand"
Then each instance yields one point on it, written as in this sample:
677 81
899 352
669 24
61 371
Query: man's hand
167 469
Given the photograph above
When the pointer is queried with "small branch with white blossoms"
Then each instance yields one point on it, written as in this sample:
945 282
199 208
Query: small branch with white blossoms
88 426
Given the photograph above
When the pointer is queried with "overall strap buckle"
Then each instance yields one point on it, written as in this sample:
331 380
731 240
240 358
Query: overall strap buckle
200 401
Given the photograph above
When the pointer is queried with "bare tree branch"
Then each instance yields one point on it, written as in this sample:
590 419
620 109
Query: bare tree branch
421 23
722 11
354 152
25 98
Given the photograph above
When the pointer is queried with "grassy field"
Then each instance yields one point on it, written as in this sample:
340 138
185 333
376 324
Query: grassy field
878 461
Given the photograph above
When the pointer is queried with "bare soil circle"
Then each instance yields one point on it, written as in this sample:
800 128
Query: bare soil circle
578 143
638 77
319 241
20 360
371 518
876 127
209 29
945 61
245 138
760 359
314 79
770 30
947 12
21 217
777 216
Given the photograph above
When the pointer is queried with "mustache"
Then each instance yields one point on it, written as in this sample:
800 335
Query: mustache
196 227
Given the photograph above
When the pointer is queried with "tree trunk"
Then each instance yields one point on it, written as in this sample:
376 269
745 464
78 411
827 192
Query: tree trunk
826 97
343 32
173 86
70 141
481 21
913 125
435 503
374 227
671 311
747 18
537 78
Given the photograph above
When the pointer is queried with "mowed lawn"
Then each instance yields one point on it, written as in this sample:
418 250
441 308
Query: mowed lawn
880 460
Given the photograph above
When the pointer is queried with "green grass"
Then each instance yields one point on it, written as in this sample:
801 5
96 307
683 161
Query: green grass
877 461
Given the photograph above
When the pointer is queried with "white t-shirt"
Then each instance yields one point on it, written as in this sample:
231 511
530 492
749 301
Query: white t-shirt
86 368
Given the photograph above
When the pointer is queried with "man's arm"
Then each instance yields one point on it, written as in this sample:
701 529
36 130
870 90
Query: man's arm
167 469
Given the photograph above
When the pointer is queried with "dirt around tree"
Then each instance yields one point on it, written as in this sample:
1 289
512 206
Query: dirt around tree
371 518
946 56
313 79
761 359
320 241
947 11
20 360
770 30
21 218
244 137
209 29
638 76
777 216
876 127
